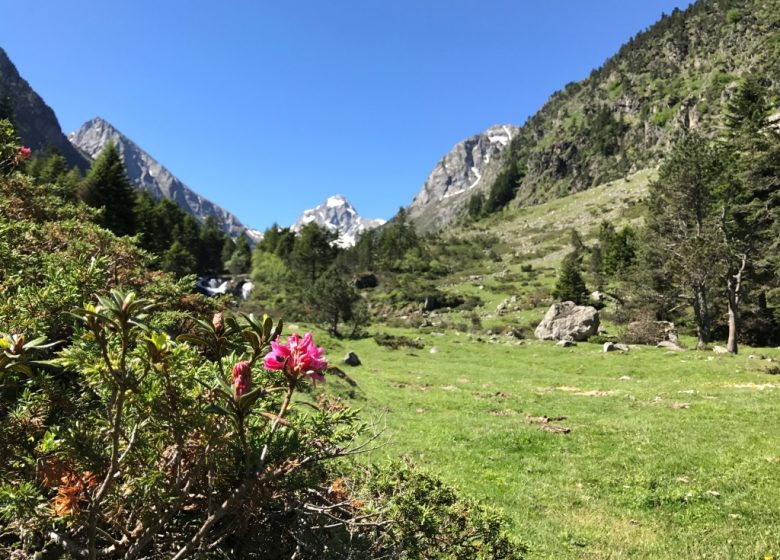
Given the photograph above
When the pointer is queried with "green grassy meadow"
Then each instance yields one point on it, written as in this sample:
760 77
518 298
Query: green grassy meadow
670 455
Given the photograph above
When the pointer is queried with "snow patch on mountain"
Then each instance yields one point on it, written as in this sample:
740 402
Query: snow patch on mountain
336 214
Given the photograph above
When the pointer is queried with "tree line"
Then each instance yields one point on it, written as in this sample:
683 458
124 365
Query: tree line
710 241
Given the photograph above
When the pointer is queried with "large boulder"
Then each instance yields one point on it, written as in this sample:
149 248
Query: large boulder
568 321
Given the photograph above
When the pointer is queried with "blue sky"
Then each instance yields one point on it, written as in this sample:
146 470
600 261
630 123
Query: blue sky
268 108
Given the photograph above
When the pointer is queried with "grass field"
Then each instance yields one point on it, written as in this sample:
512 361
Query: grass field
670 455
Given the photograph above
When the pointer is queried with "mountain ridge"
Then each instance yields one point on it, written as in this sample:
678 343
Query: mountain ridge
469 167
36 123
337 215
147 173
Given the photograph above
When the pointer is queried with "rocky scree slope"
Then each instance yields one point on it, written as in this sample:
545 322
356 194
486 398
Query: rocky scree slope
470 167
337 215
35 122
147 173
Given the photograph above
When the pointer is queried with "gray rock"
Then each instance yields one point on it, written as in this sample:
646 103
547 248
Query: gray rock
336 214
471 166
351 359
720 350
612 347
568 321
669 345
147 173
566 343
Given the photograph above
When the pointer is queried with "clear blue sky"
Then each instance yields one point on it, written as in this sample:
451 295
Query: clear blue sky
268 108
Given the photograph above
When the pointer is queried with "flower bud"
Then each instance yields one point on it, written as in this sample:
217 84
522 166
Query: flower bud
218 322
242 379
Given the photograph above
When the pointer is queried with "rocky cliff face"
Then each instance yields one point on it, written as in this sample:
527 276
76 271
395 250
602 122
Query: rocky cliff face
146 172
338 215
36 123
469 167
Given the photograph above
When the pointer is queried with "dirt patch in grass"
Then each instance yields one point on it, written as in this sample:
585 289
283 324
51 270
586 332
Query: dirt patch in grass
583 393
756 386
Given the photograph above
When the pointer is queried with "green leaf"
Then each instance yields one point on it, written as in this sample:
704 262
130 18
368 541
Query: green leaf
216 409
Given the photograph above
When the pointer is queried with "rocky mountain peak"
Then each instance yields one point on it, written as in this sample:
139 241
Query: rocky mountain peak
36 123
147 173
337 215
469 167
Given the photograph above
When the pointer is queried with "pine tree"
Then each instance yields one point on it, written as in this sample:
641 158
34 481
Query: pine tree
312 253
241 259
332 300
178 260
683 242
211 241
570 285
749 200
107 186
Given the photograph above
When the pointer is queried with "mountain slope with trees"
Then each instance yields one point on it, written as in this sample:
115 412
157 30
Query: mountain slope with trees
673 78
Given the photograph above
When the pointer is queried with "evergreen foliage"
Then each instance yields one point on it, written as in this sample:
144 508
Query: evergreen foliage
108 187
241 260
570 285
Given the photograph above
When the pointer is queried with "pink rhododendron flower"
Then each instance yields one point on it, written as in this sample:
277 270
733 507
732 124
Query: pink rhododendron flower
242 378
298 357
23 153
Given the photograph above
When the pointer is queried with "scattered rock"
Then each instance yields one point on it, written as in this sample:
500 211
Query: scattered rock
622 347
624 378
568 321
566 343
351 359
613 347
669 345
720 350
434 350
555 429
679 405
544 419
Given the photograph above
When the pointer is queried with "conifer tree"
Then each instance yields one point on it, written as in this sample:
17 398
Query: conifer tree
241 259
570 285
107 186
683 241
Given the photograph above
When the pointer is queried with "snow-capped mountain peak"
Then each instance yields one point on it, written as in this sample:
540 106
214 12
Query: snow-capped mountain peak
338 215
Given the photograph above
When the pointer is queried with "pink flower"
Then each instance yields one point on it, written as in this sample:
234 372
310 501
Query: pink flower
23 153
298 357
242 379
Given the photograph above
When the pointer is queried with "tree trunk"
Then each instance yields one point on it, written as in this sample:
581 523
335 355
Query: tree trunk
734 288
701 315
731 345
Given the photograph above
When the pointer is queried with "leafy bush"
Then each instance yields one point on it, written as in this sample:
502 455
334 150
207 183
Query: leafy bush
397 341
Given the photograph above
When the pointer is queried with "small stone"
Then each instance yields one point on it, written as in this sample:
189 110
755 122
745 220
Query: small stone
566 343
434 350
669 345
351 359
719 350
